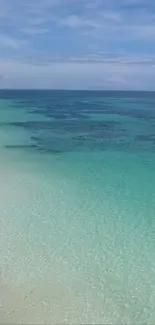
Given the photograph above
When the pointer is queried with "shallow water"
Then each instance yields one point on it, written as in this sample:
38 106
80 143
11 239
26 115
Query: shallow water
77 202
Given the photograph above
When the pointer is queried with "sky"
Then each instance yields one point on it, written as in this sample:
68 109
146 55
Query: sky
77 44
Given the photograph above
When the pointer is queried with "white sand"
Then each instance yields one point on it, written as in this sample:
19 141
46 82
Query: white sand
29 293
54 267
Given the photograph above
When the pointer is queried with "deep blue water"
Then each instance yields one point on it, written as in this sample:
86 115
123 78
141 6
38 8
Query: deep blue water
77 120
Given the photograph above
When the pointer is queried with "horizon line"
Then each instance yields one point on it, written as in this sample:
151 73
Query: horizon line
93 90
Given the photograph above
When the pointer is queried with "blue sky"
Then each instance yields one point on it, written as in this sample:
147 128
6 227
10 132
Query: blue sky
77 44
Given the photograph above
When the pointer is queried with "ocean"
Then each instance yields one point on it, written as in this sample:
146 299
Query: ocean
77 207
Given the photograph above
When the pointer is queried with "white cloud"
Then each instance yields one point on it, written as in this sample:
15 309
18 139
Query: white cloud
9 42
111 16
75 21
77 75
35 30
117 80
38 30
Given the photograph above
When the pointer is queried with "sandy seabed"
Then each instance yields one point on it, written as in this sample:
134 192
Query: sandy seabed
68 257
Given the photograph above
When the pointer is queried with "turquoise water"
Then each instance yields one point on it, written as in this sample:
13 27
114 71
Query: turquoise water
77 203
